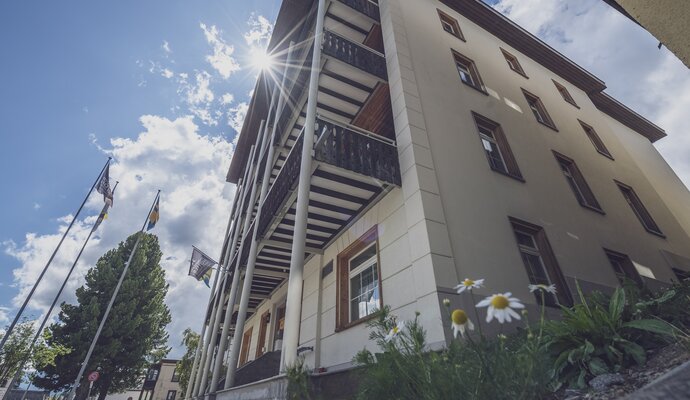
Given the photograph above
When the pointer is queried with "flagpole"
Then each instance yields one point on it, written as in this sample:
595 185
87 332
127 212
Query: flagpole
73 392
52 306
50 260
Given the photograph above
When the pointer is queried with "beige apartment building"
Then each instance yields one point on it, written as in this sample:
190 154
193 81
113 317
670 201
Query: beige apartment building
162 382
420 143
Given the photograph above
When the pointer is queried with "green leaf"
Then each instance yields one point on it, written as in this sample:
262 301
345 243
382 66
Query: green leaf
651 325
616 305
635 351
589 348
597 366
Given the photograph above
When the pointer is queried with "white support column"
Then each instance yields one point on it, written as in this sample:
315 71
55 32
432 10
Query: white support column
235 279
197 354
251 261
293 306
232 226
202 374
206 342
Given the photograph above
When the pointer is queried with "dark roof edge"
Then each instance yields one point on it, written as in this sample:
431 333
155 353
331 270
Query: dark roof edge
290 17
620 112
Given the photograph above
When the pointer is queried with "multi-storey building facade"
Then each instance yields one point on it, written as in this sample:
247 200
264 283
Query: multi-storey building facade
162 382
419 143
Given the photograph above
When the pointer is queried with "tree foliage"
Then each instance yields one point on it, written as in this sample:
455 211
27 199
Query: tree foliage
15 350
17 354
190 340
134 334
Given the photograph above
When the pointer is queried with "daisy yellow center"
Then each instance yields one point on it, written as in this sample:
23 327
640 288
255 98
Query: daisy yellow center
500 302
396 330
468 282
459 317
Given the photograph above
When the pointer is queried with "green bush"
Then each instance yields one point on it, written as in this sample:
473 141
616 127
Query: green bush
597 337
502 368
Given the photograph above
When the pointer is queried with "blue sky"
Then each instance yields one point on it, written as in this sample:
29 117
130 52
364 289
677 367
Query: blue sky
162 86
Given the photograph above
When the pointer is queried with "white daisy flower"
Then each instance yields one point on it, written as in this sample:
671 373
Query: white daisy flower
501 306
469 284
446 302
547 288
460 322
395 331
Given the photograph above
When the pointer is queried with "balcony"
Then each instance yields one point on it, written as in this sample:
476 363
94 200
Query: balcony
366 7
354 54
357 151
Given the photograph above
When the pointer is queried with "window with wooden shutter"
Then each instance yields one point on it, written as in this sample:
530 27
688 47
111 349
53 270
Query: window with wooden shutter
358 281
639 209
496 147
540 262
596 140
538 109
577 183
513 63
450 25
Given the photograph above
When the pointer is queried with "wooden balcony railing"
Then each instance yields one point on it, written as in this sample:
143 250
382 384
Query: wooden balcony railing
284 183
366 7
364 154
357 55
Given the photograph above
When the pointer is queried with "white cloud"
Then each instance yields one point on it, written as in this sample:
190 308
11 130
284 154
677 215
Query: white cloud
190 168
652 82
260 30
227 98
166 47
200 93
221 59
167 73
36 206
236 115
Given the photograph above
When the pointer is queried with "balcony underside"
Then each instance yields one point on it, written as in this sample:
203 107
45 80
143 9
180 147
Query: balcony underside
352 166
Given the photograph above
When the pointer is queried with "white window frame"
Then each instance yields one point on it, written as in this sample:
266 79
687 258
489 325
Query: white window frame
372 261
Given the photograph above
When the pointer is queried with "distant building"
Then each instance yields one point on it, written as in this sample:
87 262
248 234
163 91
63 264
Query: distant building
16 394
418 144
162 382
667 20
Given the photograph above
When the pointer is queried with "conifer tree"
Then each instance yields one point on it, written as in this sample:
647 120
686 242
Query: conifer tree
134 334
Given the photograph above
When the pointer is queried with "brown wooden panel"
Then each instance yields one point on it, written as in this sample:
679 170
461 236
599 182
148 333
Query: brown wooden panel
246 341
374 39
377 116
263 327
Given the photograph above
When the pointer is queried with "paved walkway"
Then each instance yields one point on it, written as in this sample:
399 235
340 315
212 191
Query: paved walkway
674 385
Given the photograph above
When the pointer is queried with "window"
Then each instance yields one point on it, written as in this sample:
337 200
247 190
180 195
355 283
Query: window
171 395
540 262
577 182
359 283
623 267
538 110
496 147
468 72
152 375
681 274
639 209
513 63
176 375
450 25
596 140
564 93
246 343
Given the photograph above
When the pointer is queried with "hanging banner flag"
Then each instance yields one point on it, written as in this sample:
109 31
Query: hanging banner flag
153 217
103 187
207 278
104 212
200 265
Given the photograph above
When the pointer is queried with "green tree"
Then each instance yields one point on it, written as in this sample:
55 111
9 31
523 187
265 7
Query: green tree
15 355
190 340
15 351
134 334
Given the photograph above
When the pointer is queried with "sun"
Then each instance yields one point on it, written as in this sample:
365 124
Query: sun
260 59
